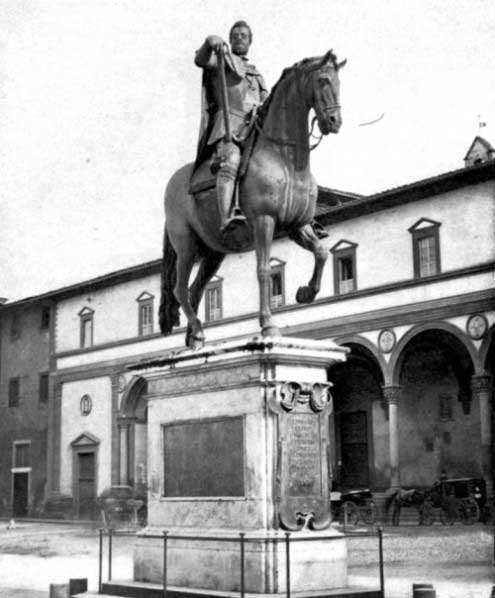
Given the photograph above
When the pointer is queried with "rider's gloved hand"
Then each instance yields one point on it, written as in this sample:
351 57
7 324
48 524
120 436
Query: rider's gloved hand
215 42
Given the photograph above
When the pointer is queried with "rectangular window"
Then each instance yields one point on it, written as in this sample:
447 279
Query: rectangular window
213 302
14 392
426 248
45 318
145 319
43 388
277 287
344 267
346 274
86 331
446 408
22 454
427 256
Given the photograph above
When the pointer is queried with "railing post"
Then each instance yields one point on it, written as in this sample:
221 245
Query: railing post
100 561
165 564
242 535
380 552
110 538
287 563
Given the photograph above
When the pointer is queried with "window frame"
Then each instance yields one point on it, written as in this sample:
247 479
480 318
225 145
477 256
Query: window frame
418 232
144 301
43 395
15 326
14 401
86 315
45 317
21 468
340 251
277 268
213 285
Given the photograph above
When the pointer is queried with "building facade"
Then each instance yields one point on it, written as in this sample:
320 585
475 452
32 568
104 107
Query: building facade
408 287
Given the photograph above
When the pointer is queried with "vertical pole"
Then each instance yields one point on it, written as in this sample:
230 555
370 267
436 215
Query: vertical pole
242 535
110 538
100 561
287 563
165 564
380 552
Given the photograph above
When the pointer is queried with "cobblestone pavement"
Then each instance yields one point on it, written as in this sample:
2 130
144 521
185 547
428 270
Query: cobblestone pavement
456 560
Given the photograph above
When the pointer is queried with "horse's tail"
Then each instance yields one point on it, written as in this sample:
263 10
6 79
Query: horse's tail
389 499
169 306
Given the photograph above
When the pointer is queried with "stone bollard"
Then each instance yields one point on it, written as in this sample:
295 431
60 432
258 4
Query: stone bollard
423 590
77 586
59 590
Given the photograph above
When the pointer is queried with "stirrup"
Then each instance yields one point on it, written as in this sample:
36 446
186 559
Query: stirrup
236 219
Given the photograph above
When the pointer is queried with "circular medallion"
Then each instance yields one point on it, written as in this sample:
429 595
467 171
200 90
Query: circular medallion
85 405
386 340
476 326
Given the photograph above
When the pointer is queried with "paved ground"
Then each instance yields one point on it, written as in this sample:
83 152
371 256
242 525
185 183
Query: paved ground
457 560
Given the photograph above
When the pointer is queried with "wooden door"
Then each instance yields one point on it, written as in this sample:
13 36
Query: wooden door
86 486
20 497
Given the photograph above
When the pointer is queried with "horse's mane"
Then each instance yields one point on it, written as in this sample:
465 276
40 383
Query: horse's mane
315 60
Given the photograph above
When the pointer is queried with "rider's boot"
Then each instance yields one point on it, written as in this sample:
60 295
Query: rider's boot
226 179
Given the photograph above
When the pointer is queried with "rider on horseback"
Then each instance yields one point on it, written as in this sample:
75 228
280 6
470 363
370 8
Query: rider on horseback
245 90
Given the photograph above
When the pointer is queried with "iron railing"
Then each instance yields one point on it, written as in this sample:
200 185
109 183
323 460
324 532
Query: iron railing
242 539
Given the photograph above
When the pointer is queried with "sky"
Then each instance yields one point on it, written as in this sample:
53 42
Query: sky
100 102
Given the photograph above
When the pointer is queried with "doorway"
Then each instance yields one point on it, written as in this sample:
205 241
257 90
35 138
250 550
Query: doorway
20 495
86 485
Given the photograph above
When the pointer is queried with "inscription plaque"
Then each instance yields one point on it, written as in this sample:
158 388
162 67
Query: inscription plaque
304 458
204 458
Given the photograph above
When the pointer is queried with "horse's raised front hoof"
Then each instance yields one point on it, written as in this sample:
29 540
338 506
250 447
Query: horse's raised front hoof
195 340
267 331
305 295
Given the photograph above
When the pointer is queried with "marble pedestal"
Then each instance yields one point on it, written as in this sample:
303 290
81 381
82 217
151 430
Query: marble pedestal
238 441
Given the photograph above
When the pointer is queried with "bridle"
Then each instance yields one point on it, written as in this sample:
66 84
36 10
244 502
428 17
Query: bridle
300 77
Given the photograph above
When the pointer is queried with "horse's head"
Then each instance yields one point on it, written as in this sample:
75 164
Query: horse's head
323 91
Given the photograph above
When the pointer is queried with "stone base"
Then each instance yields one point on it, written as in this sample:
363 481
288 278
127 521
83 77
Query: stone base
213 563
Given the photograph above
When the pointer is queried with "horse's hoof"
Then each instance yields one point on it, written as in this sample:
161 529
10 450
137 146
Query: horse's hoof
196 342
305 295
270 331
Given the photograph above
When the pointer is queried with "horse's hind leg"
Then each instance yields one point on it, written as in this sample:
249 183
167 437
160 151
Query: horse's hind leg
187 250
263 237
208 267
306 238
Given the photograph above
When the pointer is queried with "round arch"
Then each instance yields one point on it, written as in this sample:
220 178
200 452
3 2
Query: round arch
399 353
487 344
132 394
370 350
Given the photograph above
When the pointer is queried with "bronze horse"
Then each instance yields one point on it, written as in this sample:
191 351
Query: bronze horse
277 192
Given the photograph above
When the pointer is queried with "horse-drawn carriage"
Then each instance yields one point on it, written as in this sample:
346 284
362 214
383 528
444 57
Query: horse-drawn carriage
455 499
348 508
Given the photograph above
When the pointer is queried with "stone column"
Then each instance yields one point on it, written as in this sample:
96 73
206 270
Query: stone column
124 455
392 396
480 389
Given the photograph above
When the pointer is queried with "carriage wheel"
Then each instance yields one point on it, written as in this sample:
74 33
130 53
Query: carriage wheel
349 514
469 511
368 513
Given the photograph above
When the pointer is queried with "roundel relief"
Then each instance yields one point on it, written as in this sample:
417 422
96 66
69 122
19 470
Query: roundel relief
386 340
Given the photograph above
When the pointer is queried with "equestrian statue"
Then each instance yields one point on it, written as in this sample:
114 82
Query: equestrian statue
251 178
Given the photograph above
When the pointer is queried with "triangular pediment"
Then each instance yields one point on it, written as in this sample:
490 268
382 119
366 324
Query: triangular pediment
85 311
145 296
423 223
85 439
343 244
